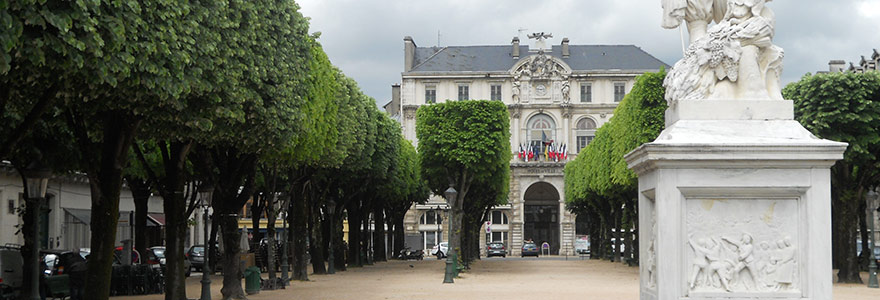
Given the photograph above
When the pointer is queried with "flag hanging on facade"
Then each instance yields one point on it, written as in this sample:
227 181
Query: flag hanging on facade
520 153
530 154
564 151
546 151
556 153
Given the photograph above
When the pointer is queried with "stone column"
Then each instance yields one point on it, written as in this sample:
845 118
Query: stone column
734 203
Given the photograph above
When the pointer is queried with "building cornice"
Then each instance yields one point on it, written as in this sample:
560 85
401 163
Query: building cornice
505 74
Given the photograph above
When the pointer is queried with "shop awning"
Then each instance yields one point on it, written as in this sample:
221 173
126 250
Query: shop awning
156 219
82 215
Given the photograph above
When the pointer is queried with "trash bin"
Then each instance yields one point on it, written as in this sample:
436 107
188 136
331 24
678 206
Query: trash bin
252 280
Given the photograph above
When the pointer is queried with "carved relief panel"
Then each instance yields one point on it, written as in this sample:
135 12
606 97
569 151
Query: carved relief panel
742 246
540 78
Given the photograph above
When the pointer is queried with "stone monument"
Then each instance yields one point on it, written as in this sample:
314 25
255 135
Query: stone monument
734 194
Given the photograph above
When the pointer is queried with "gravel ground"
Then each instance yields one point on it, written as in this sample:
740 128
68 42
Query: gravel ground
495 278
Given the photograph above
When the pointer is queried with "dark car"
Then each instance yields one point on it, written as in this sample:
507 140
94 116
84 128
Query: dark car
496 249
196 257
156 256
59 262
530 249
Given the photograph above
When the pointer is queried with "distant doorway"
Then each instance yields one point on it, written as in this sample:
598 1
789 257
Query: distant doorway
541 213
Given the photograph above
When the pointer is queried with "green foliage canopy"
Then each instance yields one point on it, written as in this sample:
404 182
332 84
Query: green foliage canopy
463 141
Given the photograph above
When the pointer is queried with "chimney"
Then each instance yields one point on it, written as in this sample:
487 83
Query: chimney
393 108
395 93
836 66
515 43
565 52
409 53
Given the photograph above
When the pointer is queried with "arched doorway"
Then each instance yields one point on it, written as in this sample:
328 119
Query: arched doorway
541 212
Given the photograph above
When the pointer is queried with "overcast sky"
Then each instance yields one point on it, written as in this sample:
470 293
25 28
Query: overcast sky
365 37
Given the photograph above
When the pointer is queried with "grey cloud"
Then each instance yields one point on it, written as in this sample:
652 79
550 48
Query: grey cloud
365 38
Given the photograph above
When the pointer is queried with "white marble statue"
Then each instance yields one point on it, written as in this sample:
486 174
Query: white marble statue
745 261
784 261
709 262
697 14
733 59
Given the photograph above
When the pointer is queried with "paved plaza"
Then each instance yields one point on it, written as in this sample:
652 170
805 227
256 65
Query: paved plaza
494 278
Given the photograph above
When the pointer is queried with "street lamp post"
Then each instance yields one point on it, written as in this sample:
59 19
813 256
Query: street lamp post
450 194
331 209
285 266
36 177
872 266
206 191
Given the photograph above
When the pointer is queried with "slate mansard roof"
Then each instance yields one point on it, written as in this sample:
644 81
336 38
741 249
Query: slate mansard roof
500 58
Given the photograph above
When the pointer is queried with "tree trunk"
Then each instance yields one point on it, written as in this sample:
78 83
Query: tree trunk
176 216
317 241
300 232
618 235
399 235
212 256
232 272
846 203
31 209
863 235
257 207
105 183
140 192
380 253
366 239
270 238
339 249
354 235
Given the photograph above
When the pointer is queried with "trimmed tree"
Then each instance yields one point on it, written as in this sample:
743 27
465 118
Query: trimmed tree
598 182
460 143
844 107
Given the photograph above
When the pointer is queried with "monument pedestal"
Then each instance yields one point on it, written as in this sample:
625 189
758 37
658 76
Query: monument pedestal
734 203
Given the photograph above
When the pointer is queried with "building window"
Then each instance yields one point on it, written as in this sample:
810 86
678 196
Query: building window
430 218
541 132
619 91
11 207
429 239
430 94
463 92
586 92
585 132
499 236
496 92
498 217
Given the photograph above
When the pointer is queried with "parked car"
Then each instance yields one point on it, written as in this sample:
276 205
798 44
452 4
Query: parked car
582 246
530 249
156 256
440 250
196 256
11 266
59 262
496 249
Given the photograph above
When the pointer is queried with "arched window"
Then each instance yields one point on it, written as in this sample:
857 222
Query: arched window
585 131
541 131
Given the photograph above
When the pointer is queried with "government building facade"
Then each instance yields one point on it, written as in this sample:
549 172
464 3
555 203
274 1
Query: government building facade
557 97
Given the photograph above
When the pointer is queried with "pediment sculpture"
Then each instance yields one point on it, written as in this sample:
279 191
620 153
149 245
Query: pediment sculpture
540 66
735 59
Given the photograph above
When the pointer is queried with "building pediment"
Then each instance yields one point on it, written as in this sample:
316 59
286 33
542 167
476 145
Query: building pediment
540 66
